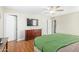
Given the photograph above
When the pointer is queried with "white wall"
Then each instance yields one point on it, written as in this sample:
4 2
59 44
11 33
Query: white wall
21 20
22 23
68 23
1 21
42 23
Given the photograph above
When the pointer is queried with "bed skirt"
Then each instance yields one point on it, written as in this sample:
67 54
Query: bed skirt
71 48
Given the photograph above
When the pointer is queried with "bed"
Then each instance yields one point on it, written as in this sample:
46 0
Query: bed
57 43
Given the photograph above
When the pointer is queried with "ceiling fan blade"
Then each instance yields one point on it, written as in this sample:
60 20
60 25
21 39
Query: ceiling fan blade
54 6
60 10
51 6
57 6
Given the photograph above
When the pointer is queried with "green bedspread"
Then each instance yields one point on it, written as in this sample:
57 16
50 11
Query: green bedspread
54 42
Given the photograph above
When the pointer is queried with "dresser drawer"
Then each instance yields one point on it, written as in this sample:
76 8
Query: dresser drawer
31 34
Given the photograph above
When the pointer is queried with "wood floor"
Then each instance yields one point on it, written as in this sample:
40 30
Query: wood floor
21 46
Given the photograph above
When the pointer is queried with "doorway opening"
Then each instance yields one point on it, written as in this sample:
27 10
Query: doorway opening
53 27
11 27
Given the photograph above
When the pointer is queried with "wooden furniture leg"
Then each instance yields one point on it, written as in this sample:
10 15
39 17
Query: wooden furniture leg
6 46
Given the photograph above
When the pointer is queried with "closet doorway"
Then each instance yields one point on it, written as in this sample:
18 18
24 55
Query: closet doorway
53 27
11 27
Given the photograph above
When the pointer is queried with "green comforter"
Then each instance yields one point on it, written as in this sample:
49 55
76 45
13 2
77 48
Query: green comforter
54 42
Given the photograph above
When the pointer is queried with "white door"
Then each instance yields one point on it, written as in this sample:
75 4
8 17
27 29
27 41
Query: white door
10 27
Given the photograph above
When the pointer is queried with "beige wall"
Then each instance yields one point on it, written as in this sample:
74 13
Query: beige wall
68 23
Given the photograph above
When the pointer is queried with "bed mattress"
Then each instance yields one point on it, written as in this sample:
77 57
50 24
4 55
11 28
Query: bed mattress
57 42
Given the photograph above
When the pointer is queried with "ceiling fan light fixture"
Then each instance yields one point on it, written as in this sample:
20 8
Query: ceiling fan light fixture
51 12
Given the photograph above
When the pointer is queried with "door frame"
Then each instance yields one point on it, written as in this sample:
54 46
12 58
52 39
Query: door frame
16 26
53 26
12 14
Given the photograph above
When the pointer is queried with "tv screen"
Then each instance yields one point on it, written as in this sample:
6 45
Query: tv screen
32 22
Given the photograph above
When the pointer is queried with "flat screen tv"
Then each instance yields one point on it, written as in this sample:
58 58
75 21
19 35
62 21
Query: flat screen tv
32 22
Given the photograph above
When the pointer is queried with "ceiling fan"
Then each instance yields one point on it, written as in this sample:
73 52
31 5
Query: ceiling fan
53 9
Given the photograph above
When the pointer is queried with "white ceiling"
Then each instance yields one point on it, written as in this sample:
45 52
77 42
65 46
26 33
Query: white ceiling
41 9
27 9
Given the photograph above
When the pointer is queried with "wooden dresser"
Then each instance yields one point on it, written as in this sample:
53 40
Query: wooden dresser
31 34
